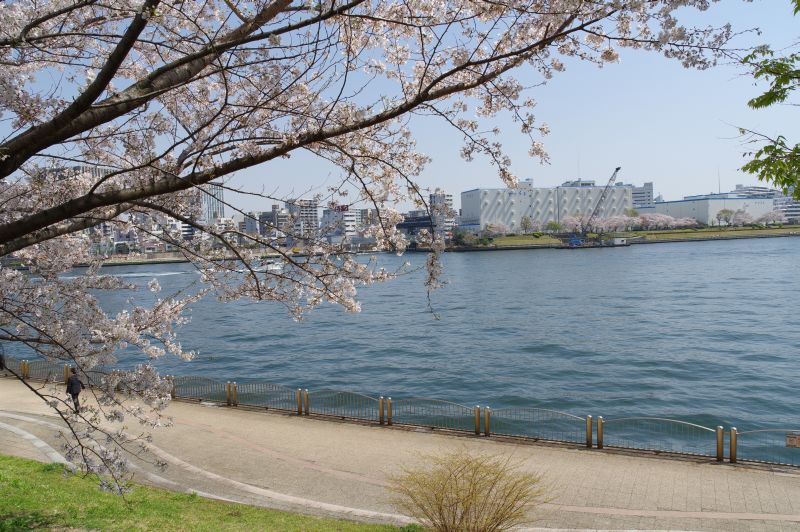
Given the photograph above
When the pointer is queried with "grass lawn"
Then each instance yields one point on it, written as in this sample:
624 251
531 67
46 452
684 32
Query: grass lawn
714 232
525 240
39 496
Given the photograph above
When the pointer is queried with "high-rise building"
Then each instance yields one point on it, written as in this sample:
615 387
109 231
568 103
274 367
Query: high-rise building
249 225
212 201
305 213
442 213
641 196
340 221
367 217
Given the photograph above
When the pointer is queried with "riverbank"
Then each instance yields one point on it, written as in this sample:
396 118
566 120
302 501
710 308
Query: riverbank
527 242
334 469
519 242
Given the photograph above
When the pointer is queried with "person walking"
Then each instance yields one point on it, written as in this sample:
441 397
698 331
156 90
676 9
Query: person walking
74 387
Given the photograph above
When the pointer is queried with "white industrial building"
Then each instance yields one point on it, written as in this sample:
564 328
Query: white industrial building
484 207
704 208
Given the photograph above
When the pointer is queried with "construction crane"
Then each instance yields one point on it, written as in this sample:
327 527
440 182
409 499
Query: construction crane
586 224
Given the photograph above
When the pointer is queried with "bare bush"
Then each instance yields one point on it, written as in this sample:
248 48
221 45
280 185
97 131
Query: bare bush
465 492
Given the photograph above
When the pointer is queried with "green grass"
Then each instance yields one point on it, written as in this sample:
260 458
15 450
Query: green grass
39 496
525 240
712 232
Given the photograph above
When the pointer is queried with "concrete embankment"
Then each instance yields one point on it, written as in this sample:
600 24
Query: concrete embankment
330 468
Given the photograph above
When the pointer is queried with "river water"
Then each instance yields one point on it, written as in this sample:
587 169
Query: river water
707 332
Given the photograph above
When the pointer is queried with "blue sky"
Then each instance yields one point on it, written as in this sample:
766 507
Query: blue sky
659 121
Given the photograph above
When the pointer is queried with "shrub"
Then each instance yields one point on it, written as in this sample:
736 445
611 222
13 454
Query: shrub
459 491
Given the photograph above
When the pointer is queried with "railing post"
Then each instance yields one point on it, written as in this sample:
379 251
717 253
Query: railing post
24 370
2 361
380 410
66 373
299 396
477 420
600 432
589 432
720 443
171 386
305 400
732 449
228 393
389 411
233 393
487 421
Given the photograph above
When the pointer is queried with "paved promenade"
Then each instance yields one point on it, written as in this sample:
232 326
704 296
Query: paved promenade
339 469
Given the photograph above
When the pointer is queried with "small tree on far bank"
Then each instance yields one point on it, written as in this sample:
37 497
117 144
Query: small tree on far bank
526 224
464 492
552 227
725 215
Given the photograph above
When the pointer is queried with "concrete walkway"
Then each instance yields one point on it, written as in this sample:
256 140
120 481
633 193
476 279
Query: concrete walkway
340 469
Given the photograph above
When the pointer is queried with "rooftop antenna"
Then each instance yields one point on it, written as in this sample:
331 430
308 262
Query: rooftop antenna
719 185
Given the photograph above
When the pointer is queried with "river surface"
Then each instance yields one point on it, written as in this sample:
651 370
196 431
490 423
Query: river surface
707 332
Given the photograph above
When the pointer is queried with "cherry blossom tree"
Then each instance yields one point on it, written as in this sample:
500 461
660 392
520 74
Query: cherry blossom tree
497 229
120 114
773 217
571 223
741 218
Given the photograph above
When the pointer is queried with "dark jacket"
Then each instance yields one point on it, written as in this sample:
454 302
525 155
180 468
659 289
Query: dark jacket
74 385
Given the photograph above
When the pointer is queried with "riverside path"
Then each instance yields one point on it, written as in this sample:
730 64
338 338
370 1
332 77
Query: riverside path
338 469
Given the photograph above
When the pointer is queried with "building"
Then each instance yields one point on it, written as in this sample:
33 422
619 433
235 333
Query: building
484 207
305 213
789 206
249 225
367 217
641 196
414 222
273 223
212 202
757 192
442 213
704 208
340 221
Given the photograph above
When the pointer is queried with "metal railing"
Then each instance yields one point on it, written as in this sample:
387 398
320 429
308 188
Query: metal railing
271 396
15 365
200 388
538 423
46 370
659 434
432 413
771 446
766 445
346 405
